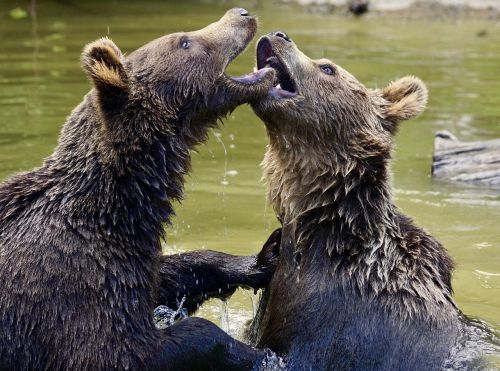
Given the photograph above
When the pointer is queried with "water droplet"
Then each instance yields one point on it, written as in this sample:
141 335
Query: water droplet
224 316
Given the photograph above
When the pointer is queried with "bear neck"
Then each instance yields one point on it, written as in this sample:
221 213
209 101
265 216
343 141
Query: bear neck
120 182
350 197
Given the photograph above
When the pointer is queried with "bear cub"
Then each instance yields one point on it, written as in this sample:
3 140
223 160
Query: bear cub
358 285
80 263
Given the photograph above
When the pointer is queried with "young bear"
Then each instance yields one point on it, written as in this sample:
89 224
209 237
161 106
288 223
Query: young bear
80 235
358 285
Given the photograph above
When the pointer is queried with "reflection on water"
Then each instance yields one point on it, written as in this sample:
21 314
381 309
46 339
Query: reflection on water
477 197
225 208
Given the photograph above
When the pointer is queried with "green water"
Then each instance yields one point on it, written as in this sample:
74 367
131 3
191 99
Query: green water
225 207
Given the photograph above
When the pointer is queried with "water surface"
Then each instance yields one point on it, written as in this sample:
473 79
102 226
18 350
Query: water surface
225 207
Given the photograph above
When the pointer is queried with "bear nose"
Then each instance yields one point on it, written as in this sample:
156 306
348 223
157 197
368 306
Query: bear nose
244 12
282 35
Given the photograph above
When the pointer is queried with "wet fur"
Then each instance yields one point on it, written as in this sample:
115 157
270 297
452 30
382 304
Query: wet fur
200 275
358 285
80 235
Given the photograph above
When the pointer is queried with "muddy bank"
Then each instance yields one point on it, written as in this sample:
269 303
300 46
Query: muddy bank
433 9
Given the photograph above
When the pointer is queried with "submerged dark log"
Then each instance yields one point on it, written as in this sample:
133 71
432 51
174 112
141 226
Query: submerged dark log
466 162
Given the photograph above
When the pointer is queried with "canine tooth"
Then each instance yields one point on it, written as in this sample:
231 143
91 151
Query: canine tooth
255 69
278 86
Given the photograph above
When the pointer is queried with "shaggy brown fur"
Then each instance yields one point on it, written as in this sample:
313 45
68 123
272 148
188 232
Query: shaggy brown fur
80 235
358 286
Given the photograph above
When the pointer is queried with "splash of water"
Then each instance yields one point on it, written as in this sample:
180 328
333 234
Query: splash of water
224 316
477 348
272 362
225 183
253 301
218 138
164 316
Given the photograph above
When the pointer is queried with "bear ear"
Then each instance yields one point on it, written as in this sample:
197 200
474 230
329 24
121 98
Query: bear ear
406 98
103 62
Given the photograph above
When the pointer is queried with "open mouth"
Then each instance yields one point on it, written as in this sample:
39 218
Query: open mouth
250 78
266 58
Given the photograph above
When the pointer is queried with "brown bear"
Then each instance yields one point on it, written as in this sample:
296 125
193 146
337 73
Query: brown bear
80 235
358 285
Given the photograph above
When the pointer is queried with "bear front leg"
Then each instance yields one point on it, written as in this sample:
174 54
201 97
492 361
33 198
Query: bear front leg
197 344
203 274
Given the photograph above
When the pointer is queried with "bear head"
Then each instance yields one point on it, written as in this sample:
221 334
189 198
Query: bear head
178 78
324 126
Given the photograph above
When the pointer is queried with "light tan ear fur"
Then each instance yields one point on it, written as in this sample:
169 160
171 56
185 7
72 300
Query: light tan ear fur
406 97
103 61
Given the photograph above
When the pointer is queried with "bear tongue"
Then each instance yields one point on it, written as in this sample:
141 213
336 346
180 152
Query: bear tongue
253 77
279 93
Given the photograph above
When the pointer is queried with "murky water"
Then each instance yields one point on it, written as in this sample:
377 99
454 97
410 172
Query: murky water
225 207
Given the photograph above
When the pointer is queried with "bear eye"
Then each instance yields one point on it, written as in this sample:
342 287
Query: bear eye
329 70
185 44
